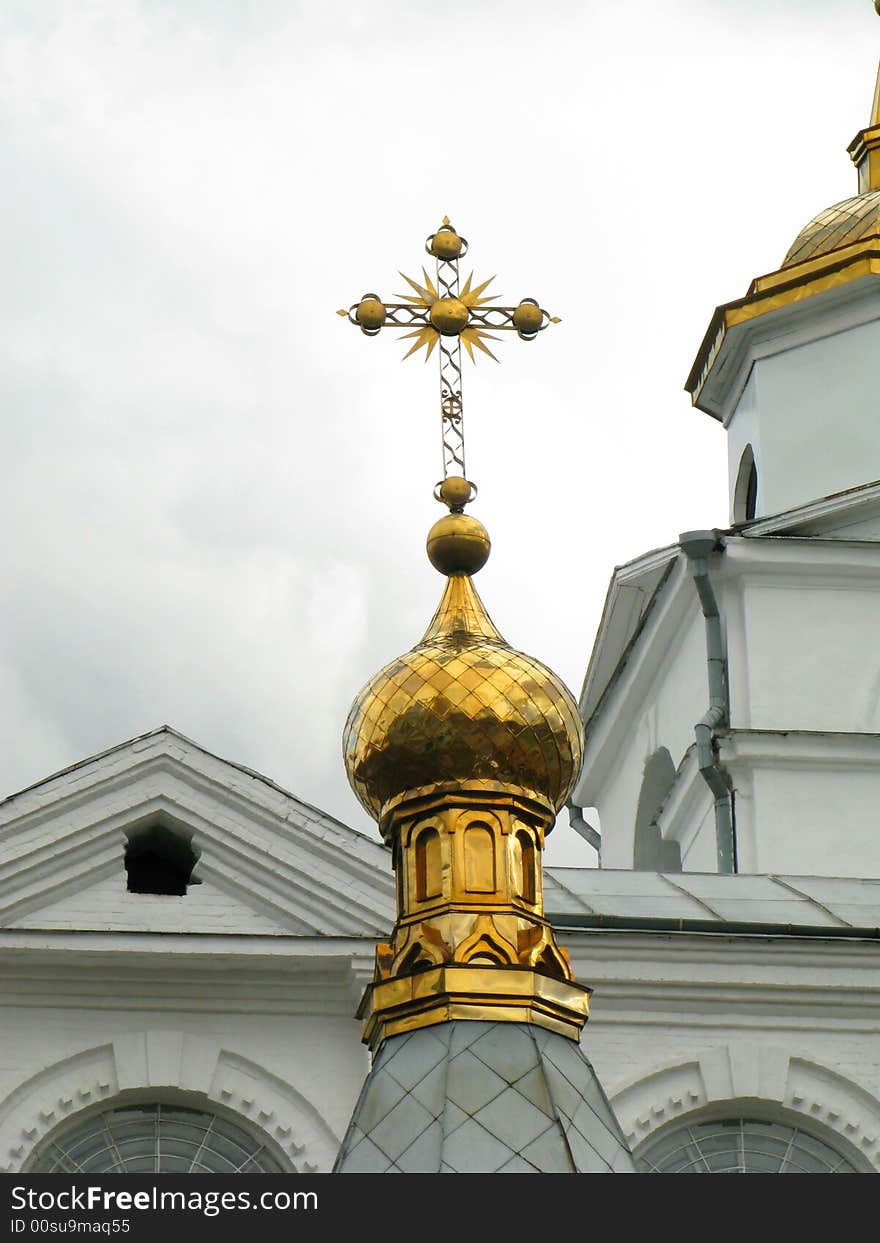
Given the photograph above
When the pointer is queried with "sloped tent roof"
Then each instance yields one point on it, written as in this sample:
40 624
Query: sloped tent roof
467 1096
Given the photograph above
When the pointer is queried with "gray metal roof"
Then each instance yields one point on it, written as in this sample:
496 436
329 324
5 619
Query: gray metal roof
697 901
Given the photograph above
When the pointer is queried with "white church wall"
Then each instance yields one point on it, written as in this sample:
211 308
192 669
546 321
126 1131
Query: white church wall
108 905
658 699
799 619
811 654
680 1023
809 413
744 429
295 1077
804 674
827 822
699 844
805 802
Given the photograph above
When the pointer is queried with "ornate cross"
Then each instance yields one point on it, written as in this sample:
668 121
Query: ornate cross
440 311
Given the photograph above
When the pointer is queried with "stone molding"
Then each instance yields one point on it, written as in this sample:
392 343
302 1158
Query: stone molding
801 323
755 1075
142 1067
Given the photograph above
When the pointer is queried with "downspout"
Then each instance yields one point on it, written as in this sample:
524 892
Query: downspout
584 828
697 545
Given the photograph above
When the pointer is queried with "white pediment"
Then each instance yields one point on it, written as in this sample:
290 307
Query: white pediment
267 863
106 904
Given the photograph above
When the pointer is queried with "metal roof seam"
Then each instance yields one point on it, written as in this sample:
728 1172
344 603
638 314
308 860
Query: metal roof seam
809 898
554 876
695 897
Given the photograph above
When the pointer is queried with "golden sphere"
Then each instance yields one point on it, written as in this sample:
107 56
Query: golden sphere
458 544
449 316
445 244
456 491
527 318
370 314
877 7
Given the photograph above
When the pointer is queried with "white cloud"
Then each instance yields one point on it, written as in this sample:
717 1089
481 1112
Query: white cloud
215 492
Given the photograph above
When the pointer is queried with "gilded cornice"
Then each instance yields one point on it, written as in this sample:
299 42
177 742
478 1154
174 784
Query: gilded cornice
780 291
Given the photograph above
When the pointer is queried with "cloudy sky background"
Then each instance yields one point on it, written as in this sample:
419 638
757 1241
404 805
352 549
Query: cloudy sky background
214 492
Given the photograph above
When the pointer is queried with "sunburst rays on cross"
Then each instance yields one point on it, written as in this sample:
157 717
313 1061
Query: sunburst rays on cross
440 313
428 296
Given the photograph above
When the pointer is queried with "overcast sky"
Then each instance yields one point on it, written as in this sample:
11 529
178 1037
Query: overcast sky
214 492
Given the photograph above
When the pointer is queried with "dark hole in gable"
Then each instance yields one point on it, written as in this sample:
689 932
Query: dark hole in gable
159 860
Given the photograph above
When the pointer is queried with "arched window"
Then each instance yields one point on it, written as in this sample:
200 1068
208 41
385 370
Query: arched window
650 852
159 860
740 1145
745 493
153 1139
524 849
428 873
479 859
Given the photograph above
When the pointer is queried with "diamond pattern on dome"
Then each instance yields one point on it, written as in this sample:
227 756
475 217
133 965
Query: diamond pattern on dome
853 220
479 1097
462 705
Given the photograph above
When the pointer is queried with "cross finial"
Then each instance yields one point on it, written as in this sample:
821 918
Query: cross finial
440 312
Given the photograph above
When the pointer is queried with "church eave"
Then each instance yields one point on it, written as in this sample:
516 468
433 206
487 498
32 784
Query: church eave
632 592
771 299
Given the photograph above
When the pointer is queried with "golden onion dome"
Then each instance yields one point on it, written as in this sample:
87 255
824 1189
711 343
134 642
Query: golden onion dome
853 220
462 710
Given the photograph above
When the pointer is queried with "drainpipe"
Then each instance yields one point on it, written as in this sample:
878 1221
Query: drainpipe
581 826
697 545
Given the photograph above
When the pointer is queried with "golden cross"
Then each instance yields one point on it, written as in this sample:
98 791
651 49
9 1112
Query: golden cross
440 312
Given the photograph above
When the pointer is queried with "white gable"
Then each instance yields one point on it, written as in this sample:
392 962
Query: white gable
107 906
267 862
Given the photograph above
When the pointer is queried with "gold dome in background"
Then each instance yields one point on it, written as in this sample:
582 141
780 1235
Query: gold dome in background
463 710
853 220
856 219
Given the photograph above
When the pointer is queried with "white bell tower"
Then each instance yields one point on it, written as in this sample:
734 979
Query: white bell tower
792 369
732 703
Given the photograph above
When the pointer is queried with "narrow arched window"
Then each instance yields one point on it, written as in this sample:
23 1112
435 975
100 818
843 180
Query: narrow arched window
525 866
745 494
479 859
650 852
428 877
